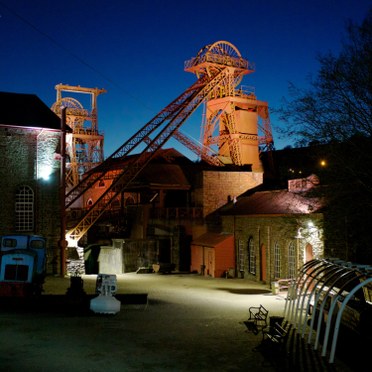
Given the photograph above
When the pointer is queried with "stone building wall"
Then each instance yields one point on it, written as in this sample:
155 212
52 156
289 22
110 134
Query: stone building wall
267 231
215 188
23 152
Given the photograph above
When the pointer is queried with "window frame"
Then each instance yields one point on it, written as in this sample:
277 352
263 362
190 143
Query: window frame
24 206
277 261
251 256
292 265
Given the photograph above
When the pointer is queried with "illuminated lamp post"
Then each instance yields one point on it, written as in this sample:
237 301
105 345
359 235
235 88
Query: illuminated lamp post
298 238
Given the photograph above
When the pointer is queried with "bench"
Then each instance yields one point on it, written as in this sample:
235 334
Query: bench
274 344
257 320
276 336
284 284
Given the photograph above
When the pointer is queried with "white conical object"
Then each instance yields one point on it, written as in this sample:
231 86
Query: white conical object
105 305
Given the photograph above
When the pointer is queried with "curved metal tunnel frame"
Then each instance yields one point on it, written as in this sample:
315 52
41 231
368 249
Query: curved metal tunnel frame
318 281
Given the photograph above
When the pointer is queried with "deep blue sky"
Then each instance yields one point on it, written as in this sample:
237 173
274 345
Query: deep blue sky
136 50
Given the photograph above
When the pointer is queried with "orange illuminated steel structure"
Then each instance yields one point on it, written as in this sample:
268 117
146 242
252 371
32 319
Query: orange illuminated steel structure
235 114
84 146
219 70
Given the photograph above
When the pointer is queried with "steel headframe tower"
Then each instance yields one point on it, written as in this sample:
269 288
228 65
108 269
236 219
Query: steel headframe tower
84 146
235 114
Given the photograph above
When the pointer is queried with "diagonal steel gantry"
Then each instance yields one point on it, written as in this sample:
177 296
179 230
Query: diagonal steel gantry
164 125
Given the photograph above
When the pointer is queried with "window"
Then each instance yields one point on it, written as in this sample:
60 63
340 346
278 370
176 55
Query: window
252 256
277 260
37 244
24 209
291 260
115 204
9 243
241 256
129 200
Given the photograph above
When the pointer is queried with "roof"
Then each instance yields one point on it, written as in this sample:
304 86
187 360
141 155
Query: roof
167 169
211 239
26 110
170 175
274 202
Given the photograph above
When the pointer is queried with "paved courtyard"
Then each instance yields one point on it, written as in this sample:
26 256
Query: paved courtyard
191 323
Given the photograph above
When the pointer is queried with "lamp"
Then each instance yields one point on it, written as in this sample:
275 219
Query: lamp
299 235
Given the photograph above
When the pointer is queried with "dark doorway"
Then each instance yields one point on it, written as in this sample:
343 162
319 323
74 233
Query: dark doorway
164 250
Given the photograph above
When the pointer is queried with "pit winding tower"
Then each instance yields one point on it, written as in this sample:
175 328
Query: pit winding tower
234 120
84 146
219 68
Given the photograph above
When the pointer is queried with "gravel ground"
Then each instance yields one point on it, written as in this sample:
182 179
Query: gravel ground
191 323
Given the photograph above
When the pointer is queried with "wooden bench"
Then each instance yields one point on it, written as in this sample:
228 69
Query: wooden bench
276 336
274 344
257 320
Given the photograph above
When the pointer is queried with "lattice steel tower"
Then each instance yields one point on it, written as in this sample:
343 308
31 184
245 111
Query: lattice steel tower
234 120
84 146
219 68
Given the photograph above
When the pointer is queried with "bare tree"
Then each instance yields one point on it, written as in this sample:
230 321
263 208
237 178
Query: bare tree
336 111
338 104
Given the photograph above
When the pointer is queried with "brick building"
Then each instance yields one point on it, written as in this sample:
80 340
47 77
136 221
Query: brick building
275 231
164 208
29 172
214 221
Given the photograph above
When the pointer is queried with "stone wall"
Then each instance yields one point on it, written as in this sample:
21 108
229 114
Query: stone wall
22 152
215 188
268 231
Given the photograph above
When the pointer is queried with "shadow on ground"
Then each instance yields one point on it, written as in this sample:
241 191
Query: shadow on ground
245 291
296 354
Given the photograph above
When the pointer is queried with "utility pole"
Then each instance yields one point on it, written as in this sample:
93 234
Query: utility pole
62 194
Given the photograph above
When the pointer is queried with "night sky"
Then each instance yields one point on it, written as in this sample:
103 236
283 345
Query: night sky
136 50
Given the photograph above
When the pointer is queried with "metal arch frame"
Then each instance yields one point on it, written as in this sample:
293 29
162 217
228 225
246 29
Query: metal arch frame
339 316
295 284
322 306
322 269
337 270
300 286
309 281
292 294
355 276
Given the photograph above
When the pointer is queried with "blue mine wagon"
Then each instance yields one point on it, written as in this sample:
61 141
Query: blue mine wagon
22 265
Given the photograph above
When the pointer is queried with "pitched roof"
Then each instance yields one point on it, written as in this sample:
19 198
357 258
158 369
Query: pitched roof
211 239
274 202
26 110
166 175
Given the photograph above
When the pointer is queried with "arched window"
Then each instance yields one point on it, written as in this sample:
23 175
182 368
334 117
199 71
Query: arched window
251 257
277 261
292 260
129 200
115 204
24 209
